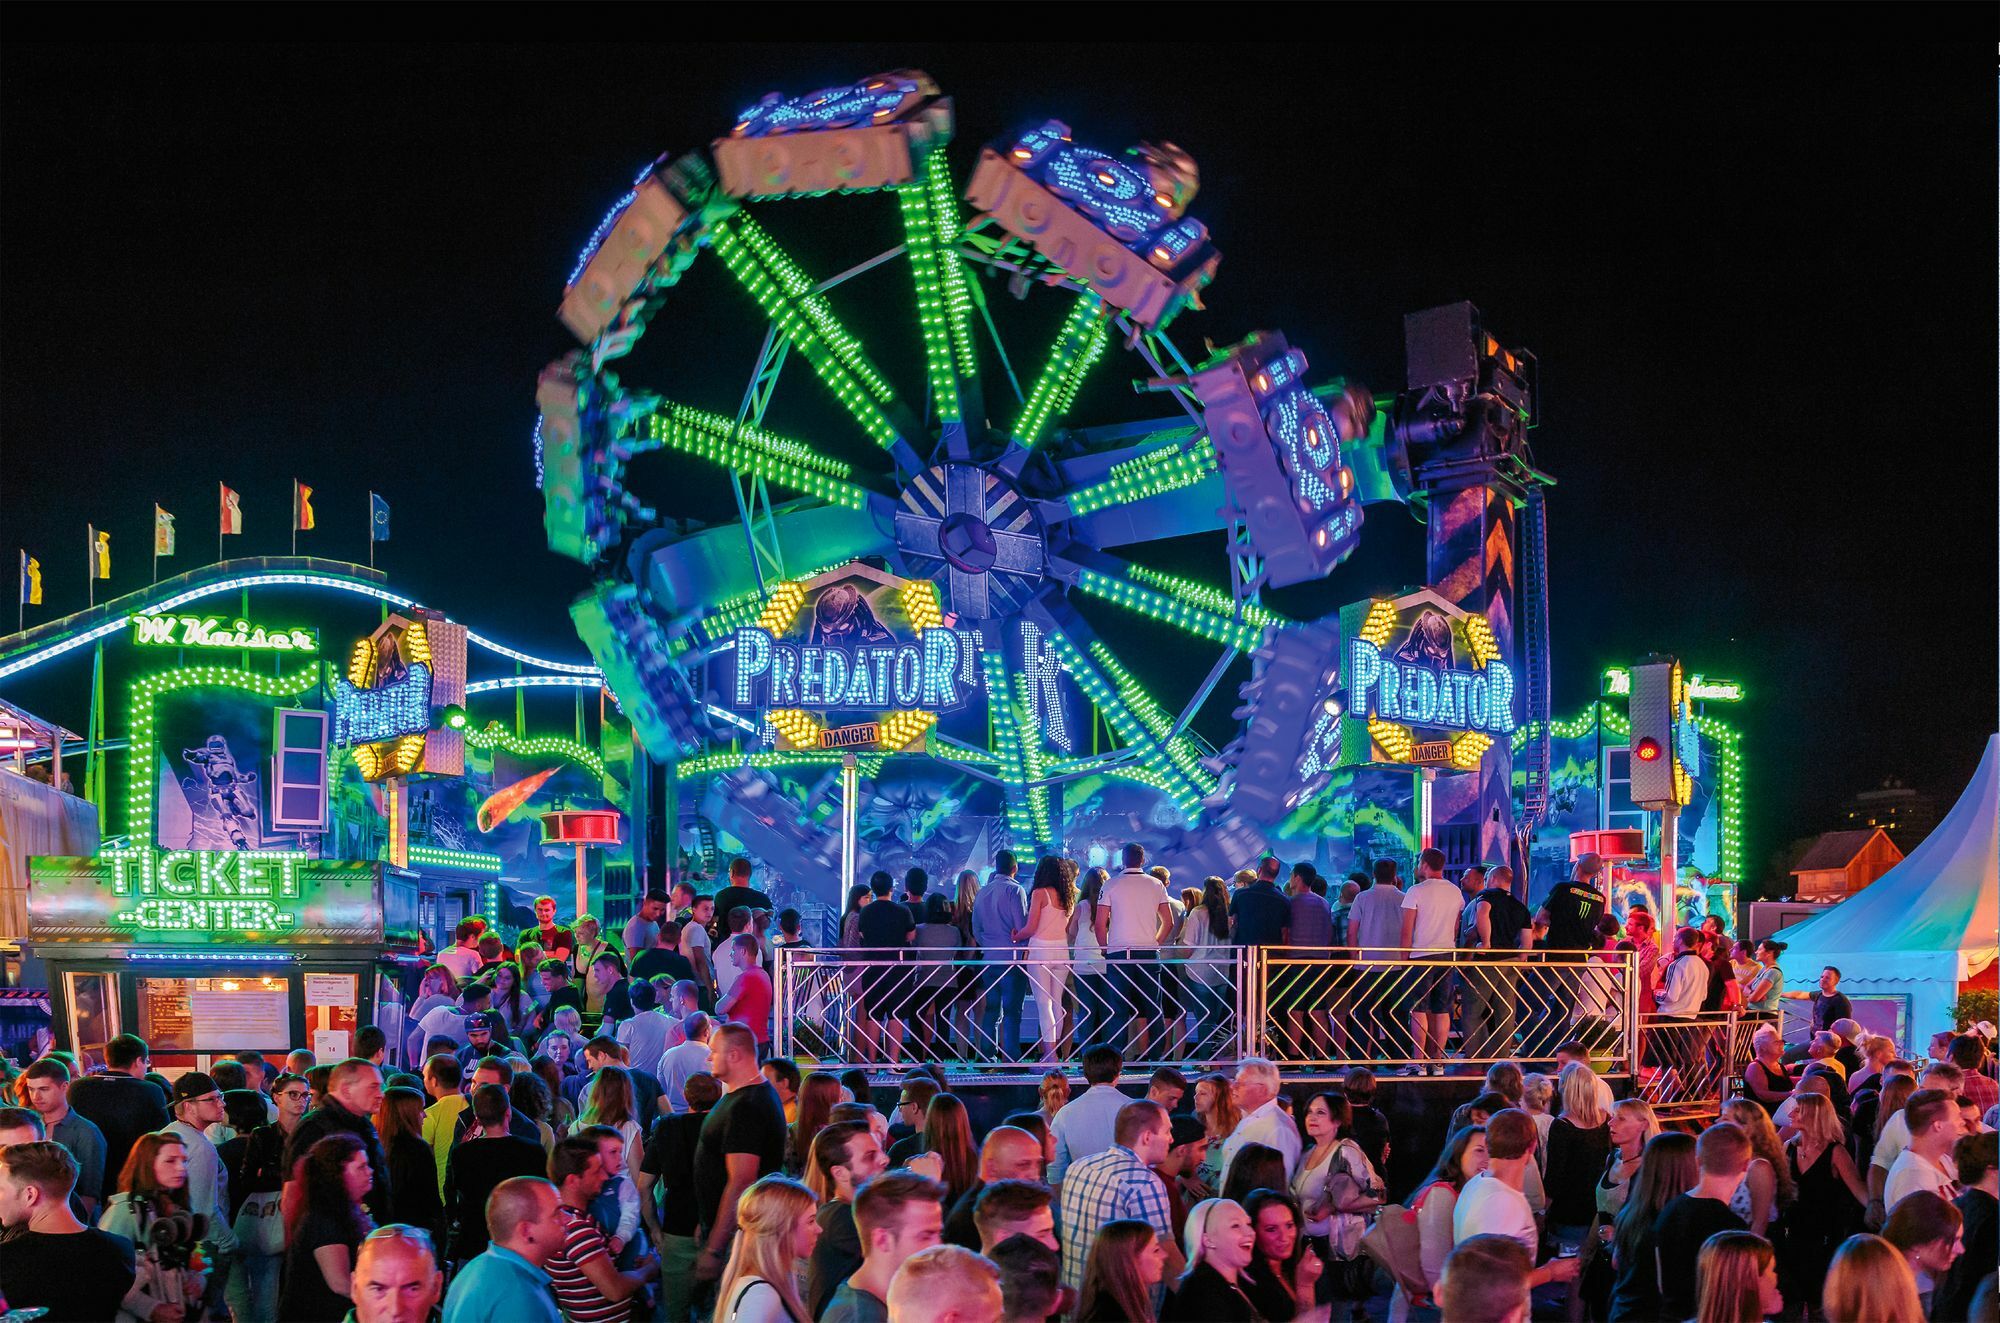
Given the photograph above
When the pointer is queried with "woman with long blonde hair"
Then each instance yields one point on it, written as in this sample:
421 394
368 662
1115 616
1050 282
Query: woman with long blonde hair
1870 1282
1736 1279
1579 1142
777 1225
1631 1127
1832 1194
1767 1185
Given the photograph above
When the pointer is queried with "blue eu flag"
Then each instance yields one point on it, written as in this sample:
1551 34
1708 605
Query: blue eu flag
378 518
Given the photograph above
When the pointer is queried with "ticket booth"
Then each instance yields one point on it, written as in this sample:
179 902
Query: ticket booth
206 953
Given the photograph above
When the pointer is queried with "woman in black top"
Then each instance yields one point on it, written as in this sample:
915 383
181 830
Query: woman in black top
325 1230
1127 1261
1579 1142
1282 1277
413 1183
1220 1245
1253 1167
1666 1169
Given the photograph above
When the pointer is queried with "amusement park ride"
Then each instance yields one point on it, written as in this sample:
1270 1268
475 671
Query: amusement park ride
1002 511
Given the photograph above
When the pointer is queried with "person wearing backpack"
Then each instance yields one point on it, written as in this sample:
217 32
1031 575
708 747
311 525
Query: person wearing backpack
1496 922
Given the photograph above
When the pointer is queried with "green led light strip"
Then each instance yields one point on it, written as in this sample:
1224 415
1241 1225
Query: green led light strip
464 860
1186 796
1205 596
1007 742
709 437
1154 718
1032 762
1170 610
920 240
536 746
951 267
798 287
800 325
139 752
1078 345
1167 469
1729 777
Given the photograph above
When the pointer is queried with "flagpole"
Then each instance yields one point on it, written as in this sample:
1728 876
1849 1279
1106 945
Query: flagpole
295 516
90 567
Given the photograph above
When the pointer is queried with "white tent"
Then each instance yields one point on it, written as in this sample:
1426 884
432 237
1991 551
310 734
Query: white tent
1924 925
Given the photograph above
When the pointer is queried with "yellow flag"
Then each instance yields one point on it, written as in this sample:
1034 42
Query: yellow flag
31 580
163 532
100 553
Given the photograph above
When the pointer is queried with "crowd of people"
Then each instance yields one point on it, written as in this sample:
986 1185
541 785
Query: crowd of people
589 1129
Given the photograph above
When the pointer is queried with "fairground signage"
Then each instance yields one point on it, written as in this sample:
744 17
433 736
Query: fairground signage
197 897
217 632
853 658
1425 683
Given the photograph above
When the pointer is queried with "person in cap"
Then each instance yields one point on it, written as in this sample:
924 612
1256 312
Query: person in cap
1180 1169
197 1104
486 1036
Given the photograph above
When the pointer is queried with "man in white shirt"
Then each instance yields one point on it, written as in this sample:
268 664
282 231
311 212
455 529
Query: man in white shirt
1133 918
462 957
1086 1124
694 940
1931 1116
1430 929
677 1064
1684 981
644 1033
1255 1093
1895 1137
1492 1204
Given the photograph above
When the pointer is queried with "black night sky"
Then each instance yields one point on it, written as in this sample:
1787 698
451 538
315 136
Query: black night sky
1761 289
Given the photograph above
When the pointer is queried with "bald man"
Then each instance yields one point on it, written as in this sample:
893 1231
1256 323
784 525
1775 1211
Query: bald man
945 1284
396 1278
508 1282
1009 1154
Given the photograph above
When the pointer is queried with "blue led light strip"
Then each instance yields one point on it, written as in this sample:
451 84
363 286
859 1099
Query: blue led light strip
536 682
111 627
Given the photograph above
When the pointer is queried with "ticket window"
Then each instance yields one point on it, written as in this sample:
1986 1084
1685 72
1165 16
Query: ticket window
232 1013
333 1013
93 1011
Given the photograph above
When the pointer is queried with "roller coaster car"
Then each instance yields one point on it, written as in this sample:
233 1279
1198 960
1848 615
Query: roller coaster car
852 139
1117 224
638 234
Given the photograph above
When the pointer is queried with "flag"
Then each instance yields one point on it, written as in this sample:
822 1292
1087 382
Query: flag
100 553
163 532
302 506
232 510
378 518
31 580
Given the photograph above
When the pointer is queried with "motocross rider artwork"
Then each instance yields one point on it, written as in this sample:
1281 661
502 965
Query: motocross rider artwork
210 755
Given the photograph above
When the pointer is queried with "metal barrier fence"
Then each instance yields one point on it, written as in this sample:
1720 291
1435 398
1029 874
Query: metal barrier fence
1311 1011
1322 1011
876 1009
1690 1065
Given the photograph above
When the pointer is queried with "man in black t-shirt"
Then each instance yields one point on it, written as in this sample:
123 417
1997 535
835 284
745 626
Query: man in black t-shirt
121 1102
1497 924
50 1259
665 958
1573 908
885 929
738 892
742 1141
1688 1220
669 1212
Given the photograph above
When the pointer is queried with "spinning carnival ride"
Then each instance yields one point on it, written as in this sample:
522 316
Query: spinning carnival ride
991 493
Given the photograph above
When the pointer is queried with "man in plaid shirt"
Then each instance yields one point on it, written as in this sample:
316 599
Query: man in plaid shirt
1118 1184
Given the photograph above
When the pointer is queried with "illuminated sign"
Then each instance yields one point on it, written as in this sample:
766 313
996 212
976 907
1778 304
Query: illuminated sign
1425 682
397 679
199 897
215 632
1618 682
851 658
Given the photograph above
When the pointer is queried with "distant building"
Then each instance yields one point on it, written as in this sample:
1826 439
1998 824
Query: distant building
1907 815
1840 863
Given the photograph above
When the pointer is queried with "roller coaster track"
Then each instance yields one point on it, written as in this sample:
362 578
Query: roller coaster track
55 638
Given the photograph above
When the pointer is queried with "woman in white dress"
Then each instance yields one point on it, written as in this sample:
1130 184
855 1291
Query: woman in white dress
1046 932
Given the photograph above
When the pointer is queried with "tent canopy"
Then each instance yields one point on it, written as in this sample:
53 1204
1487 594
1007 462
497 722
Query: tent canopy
1930 921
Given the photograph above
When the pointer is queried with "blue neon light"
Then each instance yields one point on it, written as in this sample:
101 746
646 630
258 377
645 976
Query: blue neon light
875 101
368 716
1113 191
1432 697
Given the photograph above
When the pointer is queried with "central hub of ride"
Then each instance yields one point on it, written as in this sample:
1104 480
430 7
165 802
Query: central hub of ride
971 531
